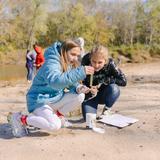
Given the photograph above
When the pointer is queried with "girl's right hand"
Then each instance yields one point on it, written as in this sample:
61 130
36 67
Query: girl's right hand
89 70
94 90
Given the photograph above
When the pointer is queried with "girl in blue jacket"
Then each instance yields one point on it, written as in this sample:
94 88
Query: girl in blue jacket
47 99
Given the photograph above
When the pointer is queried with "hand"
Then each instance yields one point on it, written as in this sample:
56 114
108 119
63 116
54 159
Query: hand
94 90
82 89
89 70
38 65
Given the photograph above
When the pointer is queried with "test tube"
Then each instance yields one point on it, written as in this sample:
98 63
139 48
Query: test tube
91 80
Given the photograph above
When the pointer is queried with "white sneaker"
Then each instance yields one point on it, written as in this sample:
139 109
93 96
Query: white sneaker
18 130
107 111
65 122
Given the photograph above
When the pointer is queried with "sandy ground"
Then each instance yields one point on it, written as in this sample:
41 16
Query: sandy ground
140 141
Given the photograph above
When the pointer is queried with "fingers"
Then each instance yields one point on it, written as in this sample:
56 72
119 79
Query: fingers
94 90
89 70
83 89
94 87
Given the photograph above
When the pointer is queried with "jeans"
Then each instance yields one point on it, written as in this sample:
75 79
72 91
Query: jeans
30 73
107 94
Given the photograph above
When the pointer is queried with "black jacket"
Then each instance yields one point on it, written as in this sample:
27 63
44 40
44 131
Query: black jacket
110 73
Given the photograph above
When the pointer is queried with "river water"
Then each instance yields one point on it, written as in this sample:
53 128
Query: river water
12 72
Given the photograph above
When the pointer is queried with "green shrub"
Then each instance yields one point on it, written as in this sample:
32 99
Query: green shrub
155 50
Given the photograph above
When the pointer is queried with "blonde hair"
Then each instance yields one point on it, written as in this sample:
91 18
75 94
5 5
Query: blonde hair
100 52
66 46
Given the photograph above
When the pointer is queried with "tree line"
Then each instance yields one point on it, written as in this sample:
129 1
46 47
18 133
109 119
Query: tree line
127 27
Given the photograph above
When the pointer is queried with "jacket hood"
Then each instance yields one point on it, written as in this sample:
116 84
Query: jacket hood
38 50
53 50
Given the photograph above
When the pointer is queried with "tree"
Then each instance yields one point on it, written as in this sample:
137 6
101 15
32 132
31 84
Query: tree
74 22
70 24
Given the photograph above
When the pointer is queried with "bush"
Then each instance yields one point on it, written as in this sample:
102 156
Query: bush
131 53
155 50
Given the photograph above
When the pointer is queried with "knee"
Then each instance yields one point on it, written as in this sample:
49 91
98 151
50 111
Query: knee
114 89
56 125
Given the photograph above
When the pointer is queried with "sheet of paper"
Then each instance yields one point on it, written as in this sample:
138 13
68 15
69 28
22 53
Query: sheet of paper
118 120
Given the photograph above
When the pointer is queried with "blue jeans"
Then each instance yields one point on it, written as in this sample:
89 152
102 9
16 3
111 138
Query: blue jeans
108 94
30 73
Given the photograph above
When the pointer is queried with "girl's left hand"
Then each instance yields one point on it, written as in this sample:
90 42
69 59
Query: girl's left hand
89 70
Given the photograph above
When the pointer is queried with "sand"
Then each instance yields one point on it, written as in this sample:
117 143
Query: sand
140 141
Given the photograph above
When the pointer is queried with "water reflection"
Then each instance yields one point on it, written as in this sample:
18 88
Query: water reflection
12 72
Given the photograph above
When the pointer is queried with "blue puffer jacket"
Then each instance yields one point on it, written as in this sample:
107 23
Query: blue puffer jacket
49 83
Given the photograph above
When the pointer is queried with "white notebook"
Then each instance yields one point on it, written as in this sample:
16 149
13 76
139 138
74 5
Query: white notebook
118 120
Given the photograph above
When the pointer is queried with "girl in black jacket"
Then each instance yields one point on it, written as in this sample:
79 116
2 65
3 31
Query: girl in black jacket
103 86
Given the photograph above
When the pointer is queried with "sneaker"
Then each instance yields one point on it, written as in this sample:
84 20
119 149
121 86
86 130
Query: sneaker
18 130
107 111
65 122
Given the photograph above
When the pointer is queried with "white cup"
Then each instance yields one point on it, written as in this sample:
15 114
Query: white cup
90 120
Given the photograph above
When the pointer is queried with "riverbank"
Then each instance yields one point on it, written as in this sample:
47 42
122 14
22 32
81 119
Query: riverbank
140 99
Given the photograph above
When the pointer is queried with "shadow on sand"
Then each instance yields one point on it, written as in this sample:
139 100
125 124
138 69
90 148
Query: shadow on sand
6 132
